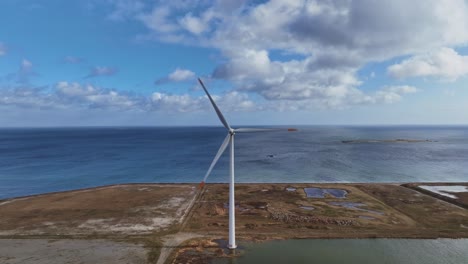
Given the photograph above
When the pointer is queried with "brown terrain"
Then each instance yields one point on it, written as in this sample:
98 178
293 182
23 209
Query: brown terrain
384 210
118 210
160 217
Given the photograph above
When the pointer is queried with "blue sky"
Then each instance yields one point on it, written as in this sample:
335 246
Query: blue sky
135 62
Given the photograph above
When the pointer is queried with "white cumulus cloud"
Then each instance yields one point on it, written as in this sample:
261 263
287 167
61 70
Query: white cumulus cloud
73 95
168 102
443 63
330 42
193 24
392 94
158 20
178 75
94 97
181 75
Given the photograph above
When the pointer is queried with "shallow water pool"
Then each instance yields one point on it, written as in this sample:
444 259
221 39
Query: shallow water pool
351 251
321 192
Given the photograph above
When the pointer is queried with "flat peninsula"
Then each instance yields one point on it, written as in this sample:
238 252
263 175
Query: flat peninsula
158 218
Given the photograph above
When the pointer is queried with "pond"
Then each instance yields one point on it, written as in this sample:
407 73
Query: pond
321 192
355 206
354 251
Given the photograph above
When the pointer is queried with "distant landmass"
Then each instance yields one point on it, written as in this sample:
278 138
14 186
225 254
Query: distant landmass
398 140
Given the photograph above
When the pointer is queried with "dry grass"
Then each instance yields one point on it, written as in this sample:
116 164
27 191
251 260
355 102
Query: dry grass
269 211
120 209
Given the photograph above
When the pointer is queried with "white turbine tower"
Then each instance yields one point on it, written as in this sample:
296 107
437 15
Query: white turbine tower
229 140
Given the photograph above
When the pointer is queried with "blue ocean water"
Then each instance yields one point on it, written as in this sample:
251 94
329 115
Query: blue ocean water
42 160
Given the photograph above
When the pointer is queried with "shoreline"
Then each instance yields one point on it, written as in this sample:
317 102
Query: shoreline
403 183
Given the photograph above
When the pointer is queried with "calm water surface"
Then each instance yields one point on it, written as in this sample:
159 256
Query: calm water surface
355 251
42 160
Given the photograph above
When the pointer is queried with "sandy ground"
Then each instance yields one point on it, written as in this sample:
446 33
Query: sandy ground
45 251
132 209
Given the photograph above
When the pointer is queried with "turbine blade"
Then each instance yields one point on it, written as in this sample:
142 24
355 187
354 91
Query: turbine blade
218 155
249 130
218 112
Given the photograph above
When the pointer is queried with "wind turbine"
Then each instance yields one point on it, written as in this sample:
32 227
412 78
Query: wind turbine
228 140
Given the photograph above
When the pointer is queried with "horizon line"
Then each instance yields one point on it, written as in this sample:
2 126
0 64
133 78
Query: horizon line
220 126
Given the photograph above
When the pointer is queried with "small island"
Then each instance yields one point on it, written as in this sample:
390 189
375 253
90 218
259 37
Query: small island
398 140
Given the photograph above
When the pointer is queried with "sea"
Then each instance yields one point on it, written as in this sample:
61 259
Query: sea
40 160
